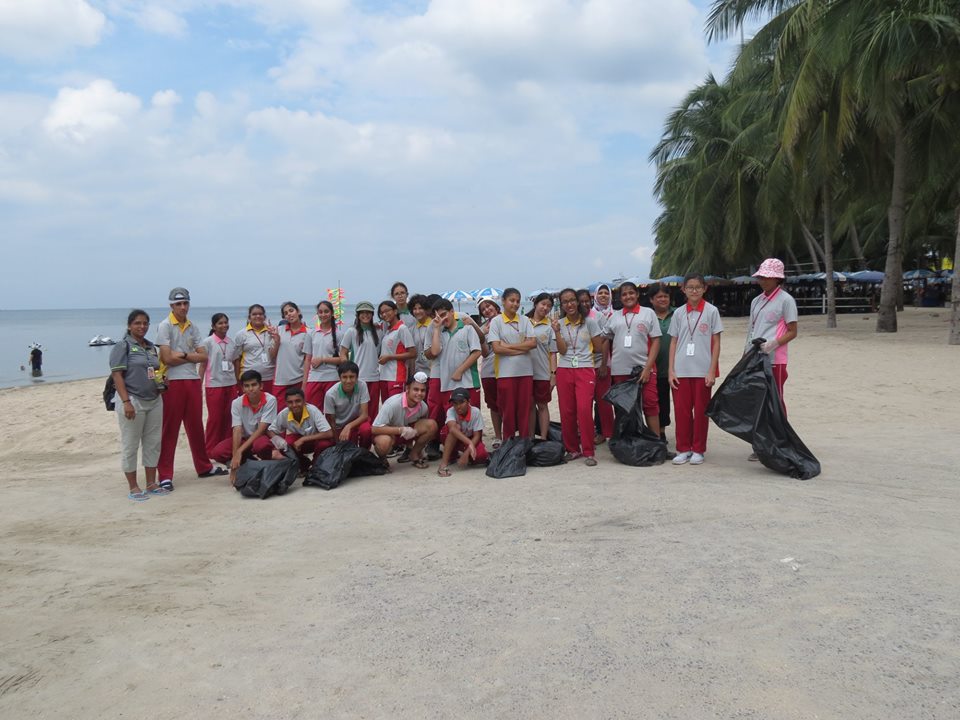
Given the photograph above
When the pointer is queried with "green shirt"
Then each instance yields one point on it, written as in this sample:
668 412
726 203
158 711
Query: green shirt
663 357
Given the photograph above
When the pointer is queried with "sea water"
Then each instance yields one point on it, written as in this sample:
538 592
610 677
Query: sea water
65 336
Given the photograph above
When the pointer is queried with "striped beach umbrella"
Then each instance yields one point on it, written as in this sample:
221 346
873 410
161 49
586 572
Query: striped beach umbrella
458 296
488 292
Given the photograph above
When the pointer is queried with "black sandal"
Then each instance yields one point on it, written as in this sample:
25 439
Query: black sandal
214 472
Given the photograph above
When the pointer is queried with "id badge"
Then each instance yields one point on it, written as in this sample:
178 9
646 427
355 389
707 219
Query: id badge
628 341
151 373
574 362
691 349
226 365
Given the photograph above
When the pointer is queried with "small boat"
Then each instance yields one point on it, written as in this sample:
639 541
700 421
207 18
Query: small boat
101 340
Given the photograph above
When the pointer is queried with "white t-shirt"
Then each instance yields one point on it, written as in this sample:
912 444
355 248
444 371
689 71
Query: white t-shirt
694 331
640 327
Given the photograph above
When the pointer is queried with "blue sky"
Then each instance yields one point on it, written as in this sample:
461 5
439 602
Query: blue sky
255 150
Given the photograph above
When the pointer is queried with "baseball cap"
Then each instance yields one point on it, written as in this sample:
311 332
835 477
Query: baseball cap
364 306
459 395
179 294
770 268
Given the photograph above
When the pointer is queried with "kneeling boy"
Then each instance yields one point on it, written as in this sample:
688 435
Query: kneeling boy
251 415
300 426
464 434
405 419
346 407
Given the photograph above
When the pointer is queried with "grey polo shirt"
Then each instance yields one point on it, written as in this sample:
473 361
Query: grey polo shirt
395 413
769 316
320 344
641 327
243 415
456 346
696 327
511 331
345 408
135 362
184 338
311 423
366 354
390 344
252 350
546 344
422 337
579 338
290 356
468 425
217 373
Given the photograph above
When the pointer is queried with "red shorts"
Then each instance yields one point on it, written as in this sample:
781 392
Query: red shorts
490 393
542 392
651 398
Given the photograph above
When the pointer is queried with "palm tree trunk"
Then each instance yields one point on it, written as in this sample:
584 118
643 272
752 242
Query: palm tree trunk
827 206
857 248
793 260
955 291
812 246
887 312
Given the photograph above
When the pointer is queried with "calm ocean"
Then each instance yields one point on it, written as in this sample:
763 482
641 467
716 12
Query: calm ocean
64 335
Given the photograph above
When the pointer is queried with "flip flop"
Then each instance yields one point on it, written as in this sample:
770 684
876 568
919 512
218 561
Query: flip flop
420 463
156 490
443 471
214 472
138 496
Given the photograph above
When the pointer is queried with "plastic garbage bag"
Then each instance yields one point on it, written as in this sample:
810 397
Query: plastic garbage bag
545 453
633 443
263 478
554 433
343 460
510 459
748 406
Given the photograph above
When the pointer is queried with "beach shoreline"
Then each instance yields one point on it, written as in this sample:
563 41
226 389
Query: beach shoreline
723 590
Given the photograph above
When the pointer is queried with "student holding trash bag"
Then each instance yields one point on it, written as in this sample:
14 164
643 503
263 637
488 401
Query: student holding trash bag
773 317
634 334
134 365
577 336
301 427
694 360
251 415
347 407
405 420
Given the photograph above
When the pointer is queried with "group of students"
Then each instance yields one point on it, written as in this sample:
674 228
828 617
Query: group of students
408 385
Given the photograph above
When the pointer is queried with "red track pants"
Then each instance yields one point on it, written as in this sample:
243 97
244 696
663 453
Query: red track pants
182 405
218 415
514 399
690 402
575 394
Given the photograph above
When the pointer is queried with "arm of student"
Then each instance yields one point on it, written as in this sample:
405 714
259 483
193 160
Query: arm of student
714 361
652 351
671 373
600 345
465 365
238 447
435 345
344 354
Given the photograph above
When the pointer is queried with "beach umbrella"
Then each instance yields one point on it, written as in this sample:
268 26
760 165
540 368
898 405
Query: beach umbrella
488 292
866 276
920 274
641 281
592 287
837 276
457 296
671 280
716 280
744 280
551 291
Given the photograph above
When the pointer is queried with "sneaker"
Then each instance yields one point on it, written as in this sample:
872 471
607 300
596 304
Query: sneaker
753 458
696 459
166 485
683 458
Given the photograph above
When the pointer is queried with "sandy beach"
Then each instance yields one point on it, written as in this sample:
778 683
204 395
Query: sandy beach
720 591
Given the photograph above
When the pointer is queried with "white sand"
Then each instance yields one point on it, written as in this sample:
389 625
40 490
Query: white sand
570 593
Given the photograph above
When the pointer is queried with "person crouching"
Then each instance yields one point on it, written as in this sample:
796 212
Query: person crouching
300 426
464 434
404 419
251 414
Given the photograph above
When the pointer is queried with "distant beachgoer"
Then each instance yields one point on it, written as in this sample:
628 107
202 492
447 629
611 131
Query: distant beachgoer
291 353
323 355
219 381
255 347
250 415
135 366
181 349
36 361
512 338
361 345
489 309
694 359
397 348
659 296
577 336
544 356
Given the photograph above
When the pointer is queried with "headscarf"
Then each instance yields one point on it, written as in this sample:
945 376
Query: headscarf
607 311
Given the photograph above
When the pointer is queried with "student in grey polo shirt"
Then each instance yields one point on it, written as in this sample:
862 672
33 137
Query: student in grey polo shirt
181 349
455 345
251 415
134 365
347 407
512 338
404 419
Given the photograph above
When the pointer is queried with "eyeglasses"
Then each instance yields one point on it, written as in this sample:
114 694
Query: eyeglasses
694 288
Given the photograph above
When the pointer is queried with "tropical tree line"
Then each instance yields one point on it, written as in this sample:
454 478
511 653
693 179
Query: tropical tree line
836 134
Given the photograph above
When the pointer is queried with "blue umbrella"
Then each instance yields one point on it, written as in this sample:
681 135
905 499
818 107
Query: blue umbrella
457 296
488 292
671 280
592 287
551 291
640 281
744 280
918 274
839 277
716 280
866 276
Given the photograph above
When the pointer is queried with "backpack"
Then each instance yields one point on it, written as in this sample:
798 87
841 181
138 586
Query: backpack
110 387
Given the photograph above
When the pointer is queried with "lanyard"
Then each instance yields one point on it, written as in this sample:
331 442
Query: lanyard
571 340
755 316
697 322
629 322
257 336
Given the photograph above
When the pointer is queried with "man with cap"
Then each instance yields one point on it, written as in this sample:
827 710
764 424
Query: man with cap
405 419
462 434
181 349
773 317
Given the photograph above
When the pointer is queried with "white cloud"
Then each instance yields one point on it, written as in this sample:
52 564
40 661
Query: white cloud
161 20
45 29
81 114
165 98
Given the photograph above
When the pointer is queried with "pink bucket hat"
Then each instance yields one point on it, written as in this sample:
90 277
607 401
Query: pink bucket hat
770 268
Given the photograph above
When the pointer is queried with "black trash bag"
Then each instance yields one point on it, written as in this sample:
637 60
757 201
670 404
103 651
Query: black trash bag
510 459
554 433
343 460
263 478
633 443
747 404
545 453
